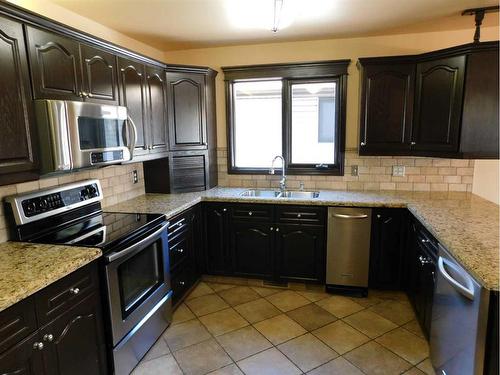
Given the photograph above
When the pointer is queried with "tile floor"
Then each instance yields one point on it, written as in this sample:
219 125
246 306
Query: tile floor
242 329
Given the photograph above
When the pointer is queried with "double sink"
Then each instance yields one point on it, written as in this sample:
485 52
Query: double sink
299 194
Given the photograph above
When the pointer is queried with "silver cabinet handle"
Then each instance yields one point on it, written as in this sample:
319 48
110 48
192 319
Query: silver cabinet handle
344 216
423 260
180 251
181 283
466 291
250 213
74 291
133 136
413 143
38 345
424 240
363 143
48 337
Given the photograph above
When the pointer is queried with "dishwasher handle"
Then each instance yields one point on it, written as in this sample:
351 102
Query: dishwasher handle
466 291
344 216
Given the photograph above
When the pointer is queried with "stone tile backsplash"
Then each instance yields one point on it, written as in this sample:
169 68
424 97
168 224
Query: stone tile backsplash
116 181
374 173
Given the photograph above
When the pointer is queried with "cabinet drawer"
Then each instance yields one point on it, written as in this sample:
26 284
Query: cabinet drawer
177 226
301 214
178 250
182 280
253 212
16 323
65 293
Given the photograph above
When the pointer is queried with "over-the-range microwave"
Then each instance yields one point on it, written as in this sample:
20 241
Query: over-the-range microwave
75 135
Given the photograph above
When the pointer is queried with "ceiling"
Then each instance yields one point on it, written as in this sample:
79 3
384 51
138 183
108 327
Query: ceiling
184 24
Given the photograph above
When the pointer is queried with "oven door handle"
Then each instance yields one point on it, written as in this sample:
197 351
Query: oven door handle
131 249
132 130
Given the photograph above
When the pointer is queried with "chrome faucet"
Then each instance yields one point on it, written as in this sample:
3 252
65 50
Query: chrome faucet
283 175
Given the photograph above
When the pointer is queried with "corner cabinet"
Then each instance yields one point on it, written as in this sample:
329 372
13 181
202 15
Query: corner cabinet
156 109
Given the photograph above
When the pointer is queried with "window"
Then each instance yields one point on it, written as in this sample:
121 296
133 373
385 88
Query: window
297 111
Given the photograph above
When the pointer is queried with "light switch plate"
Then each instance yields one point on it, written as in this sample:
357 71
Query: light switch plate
135 177
354 170
398 170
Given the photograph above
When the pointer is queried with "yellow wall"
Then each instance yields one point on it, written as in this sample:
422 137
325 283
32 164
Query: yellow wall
331 49
67 17
486 179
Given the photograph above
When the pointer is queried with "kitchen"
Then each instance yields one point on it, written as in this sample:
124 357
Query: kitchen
142 231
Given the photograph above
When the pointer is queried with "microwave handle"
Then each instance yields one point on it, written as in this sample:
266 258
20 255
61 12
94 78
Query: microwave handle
133 136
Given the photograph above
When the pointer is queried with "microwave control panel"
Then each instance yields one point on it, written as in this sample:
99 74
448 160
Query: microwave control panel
49 202
106 156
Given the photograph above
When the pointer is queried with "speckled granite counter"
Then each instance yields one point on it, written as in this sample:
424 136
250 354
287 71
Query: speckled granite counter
26 268
467 225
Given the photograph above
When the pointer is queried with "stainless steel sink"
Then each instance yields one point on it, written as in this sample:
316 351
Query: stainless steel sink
299 194
260 193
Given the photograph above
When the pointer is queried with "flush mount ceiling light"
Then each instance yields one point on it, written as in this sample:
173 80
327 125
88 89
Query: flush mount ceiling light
261 14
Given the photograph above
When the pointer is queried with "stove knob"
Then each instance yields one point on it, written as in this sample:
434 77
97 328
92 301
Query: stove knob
30 207
44 203
91 190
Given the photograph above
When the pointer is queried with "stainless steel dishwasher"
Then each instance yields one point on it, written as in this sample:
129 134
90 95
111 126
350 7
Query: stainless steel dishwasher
348 249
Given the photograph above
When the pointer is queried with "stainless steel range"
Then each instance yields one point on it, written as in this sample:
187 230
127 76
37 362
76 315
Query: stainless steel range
135 263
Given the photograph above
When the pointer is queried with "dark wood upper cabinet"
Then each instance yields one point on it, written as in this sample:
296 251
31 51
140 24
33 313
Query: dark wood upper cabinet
186 103
55 65
157 109
100 75
438 104
387 107
17 156
133 96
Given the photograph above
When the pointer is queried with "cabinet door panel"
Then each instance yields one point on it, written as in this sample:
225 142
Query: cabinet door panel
133 96
55 65
99 75
216 218
186 96
23 359
438 104
300 250
252 249
157 109
387 108
16 112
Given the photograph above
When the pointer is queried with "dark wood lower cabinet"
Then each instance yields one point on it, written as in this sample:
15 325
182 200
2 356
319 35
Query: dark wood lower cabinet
216 218
22 358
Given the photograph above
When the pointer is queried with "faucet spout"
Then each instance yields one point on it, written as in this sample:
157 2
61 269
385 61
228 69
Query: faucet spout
283 174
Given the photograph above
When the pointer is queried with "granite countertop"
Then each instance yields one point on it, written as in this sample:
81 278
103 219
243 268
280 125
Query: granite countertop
26 268
465 224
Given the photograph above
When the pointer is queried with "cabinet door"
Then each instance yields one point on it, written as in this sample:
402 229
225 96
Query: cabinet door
386 255
100 78
300 252
252 249
55 65
216 219
23 358
157 109
186 103
133 96
386 109
438 105
74 342
16 112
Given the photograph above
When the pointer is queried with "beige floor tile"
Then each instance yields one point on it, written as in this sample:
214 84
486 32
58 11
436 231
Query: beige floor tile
374 359
279 329
414 328
264 292
339 366
397 312
340 336
426 367
238 295
311 316
223 321
185 334
388 295
159 349
367 301
162 365
269 362
206 304
340 306
202 358
182 314
199 290
405 344
228 370
414 371
255 311
307 352
313 296
217 287
287 300
243 343
369 323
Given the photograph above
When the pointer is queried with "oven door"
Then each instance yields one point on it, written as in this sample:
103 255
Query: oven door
137 279
99 134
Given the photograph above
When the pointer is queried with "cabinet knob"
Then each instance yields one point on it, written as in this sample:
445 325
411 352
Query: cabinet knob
277 229
180 251
38 345
413 143
74 291
250 213
425 240
224 210
182 283
48 337
299 216
271 229
363 143
378 216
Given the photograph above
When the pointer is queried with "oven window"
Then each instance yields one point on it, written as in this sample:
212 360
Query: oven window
100 133
139 276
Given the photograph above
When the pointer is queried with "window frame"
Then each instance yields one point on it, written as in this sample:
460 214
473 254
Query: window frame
323 71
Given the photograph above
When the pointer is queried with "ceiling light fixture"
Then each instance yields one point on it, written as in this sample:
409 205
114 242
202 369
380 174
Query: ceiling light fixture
278 6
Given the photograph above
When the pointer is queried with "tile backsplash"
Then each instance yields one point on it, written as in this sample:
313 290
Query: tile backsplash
374 173
116 181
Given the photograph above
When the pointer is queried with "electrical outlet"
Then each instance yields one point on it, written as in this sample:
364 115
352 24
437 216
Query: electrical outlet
135 177
398 170
354 170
